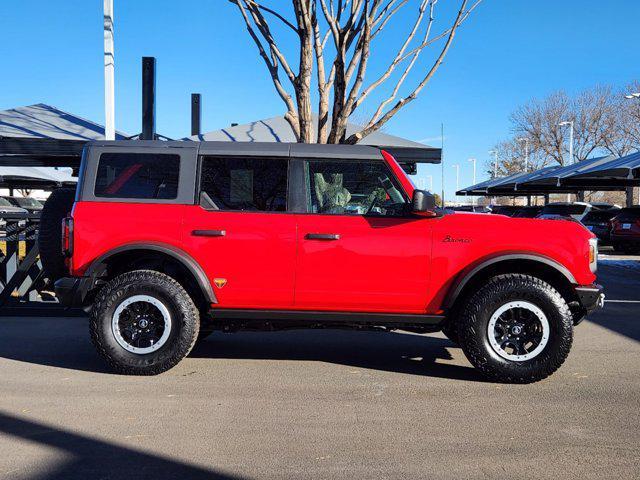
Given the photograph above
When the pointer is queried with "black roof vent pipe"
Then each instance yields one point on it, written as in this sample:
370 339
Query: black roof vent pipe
148 98
196 113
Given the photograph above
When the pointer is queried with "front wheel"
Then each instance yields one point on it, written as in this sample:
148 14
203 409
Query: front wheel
143 323
516 329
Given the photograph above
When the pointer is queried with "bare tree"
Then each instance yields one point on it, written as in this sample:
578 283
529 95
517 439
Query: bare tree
337 38
511 158
591 113
624 122
539 120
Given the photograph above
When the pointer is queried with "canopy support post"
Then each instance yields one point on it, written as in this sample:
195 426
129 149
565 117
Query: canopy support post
629 191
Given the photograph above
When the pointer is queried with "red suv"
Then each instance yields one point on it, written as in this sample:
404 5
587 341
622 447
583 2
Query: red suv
169 241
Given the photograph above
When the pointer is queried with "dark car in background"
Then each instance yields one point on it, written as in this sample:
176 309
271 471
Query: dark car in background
625 230
599 222
508 210
30 204
528 212
471 208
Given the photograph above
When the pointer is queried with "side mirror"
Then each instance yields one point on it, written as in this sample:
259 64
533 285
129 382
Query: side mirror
423 203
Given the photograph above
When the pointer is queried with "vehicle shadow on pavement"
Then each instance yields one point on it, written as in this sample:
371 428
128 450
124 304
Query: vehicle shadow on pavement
392 352
52 341
619 318
621 281
64 342
93 458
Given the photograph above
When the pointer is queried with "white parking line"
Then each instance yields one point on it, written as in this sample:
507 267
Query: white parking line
622 301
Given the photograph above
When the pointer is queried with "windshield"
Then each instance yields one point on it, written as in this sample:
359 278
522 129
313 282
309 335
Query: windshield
528 212
629 214
571 209
28 202
599 216
5 203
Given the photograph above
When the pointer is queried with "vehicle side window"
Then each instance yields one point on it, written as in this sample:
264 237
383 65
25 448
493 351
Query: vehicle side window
353 188
252 184
137 175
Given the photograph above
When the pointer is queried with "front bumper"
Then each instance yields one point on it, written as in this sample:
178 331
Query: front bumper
590 297
72 291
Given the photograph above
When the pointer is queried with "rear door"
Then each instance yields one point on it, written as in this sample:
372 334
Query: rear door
358 249
241 232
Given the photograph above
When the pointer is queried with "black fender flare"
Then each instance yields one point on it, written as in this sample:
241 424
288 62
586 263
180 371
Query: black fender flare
467 274
97 266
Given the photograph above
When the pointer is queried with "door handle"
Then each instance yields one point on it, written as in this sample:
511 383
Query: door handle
322 236
209 233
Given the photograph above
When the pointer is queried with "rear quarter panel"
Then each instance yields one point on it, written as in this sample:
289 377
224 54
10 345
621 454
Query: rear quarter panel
108 225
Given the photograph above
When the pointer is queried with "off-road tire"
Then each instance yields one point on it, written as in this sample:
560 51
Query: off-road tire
478 309
57 207
184 317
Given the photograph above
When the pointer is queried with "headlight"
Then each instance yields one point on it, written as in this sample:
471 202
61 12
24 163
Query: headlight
593 254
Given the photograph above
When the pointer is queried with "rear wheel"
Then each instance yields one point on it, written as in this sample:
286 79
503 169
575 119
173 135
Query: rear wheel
516 329
143 323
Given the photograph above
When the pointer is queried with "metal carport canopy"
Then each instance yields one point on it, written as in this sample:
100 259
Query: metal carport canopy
34 177
569 178
482 188
512 185
624 171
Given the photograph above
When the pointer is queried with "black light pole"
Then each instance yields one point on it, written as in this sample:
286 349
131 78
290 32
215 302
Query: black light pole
196 113
148 98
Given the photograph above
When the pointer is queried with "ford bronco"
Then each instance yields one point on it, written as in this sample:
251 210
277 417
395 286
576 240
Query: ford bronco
166 242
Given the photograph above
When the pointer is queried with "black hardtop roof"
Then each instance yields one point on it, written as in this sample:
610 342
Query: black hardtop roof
267 149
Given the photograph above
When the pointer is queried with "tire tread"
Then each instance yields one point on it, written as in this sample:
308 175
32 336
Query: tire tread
475 350
106 298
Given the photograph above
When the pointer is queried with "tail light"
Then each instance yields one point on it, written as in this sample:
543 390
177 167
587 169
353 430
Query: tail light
593 254
67 237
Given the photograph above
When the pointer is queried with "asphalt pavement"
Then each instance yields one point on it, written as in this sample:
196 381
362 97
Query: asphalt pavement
322 404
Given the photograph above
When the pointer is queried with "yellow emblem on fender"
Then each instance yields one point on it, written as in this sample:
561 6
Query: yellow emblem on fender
220 282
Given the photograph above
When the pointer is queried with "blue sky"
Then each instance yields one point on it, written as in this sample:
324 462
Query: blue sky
508 52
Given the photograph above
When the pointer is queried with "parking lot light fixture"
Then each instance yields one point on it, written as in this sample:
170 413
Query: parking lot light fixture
473 160
495 162
457 167
570 123
633 95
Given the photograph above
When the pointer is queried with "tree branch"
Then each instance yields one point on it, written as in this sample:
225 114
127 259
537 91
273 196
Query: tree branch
374 124
277 15
272 66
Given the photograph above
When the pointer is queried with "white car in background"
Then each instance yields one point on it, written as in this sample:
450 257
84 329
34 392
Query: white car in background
574 210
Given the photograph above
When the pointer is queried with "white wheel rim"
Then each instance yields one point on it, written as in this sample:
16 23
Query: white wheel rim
116 327
496 327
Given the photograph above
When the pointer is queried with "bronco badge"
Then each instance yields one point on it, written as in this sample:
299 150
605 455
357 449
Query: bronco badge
450 239
220 282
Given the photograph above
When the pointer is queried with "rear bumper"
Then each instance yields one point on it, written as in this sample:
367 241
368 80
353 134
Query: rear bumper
72 291
590 297
629 239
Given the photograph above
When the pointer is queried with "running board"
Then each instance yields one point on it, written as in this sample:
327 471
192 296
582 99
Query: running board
326 317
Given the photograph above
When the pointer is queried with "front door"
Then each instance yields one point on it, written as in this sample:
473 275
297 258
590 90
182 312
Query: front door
358 249
242 234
